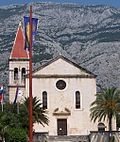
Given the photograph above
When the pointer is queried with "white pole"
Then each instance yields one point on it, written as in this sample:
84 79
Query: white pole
18 108
2 106
2 102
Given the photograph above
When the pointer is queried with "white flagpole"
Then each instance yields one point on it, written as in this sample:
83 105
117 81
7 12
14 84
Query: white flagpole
18 108
2 103
2 107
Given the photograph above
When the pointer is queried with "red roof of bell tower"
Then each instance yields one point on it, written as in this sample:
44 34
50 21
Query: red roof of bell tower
18 51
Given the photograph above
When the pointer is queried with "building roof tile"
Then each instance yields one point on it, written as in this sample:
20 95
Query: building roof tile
18 51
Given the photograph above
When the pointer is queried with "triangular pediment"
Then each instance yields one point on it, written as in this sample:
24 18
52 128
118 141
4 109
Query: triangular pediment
61 66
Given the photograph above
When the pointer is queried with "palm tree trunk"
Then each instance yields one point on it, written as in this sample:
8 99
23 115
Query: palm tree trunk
110 126
110 123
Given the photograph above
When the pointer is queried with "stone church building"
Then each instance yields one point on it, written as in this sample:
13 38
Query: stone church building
65 89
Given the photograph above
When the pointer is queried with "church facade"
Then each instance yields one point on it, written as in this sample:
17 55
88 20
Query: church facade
65 89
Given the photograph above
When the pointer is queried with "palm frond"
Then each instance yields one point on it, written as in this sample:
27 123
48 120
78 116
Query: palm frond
107 103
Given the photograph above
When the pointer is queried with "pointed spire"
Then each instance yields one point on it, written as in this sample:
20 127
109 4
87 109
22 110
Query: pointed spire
18 51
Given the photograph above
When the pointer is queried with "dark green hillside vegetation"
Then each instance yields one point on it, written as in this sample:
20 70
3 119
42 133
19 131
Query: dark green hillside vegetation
7 12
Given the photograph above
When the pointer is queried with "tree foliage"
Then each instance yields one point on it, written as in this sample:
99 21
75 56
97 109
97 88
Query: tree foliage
39 114
15 135
14 120
106 106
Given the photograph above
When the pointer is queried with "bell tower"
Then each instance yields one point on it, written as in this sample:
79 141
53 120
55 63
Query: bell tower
18 66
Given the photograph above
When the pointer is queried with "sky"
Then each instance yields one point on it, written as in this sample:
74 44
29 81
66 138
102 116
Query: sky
114 3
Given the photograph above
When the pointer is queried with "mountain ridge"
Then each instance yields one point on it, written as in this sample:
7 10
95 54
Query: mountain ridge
88 35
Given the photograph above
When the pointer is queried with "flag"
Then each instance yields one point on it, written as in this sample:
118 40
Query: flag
16 95
27 30
1 92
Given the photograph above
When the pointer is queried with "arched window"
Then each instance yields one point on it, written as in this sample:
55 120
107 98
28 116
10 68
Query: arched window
23 72
15 73
101 127
44 98
77 100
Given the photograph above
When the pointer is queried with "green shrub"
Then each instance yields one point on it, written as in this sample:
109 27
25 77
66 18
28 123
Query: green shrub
15 135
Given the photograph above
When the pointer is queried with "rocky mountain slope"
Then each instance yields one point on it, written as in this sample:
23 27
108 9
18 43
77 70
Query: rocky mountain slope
89 35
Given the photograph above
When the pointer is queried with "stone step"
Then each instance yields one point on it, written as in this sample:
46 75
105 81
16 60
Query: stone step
77 138
68 139
60 141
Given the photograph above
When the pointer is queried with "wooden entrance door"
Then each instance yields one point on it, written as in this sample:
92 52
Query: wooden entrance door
62 127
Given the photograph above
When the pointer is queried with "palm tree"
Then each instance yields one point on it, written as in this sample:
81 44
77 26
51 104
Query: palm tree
106 106
39 114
